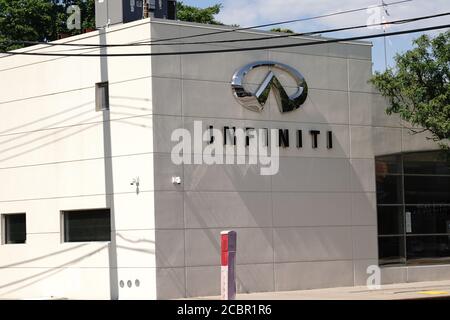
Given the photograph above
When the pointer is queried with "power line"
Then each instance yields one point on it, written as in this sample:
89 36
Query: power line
310 33
156 42
283 22
304 44
271 37
401 21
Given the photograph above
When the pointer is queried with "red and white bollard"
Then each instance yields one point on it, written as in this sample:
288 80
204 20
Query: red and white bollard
228 265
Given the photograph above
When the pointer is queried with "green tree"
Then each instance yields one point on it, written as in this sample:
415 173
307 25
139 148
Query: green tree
30 20
194 14
281 30
418 87
40 20
87 8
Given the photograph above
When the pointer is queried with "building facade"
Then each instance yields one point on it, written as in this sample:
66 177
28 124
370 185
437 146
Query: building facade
94 207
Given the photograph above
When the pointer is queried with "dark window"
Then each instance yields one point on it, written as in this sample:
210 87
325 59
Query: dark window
389 189
87 225
428 219
391 249
390 220
434 162
413 204
14 228
428 249
388 165
427 189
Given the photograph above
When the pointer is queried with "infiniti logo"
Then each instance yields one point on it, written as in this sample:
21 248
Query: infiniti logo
255 101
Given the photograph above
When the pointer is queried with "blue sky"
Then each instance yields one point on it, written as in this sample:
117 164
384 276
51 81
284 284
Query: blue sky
255 12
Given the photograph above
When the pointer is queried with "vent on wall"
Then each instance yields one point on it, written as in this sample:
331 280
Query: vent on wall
101 96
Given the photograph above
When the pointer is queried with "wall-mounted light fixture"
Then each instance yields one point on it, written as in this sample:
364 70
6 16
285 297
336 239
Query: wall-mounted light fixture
135 182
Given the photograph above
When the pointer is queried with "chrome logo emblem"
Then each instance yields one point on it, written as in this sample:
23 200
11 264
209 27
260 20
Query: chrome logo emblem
255 101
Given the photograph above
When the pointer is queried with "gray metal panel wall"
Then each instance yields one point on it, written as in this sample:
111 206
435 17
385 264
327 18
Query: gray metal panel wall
101 13
112 12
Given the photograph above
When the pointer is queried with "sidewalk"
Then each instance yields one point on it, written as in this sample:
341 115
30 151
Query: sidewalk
399 291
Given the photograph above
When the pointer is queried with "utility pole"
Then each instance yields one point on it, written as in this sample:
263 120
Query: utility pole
383 19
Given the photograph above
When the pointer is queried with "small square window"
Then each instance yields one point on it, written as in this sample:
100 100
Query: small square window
86 225
14 228
101 96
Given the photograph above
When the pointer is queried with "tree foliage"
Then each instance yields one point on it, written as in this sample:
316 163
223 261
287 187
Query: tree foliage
40 20
194 14
281 30
418 87
45 20
87 8
30 20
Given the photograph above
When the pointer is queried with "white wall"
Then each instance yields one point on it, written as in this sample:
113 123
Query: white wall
55 155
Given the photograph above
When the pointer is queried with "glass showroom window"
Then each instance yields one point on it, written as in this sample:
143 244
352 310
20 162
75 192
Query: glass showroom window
413 204
86 225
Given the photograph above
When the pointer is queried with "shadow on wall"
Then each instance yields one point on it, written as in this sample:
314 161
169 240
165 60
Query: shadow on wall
16 141
54 130
39 277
